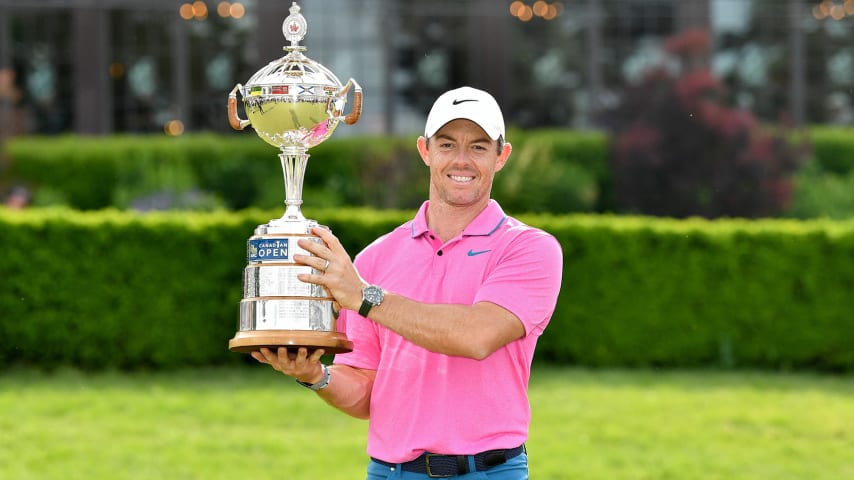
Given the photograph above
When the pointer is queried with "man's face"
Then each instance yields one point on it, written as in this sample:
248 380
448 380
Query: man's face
462 161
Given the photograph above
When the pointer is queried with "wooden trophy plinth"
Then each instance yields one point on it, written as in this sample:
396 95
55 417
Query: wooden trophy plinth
254 340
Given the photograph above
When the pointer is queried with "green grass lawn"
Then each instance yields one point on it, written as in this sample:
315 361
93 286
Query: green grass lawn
251 423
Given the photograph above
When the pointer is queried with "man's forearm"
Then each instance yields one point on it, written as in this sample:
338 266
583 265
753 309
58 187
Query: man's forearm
349 390
472 331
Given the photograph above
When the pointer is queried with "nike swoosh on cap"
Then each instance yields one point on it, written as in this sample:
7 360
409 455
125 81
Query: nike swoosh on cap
457 102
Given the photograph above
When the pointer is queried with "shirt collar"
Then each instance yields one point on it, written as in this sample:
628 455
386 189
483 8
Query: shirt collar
484 224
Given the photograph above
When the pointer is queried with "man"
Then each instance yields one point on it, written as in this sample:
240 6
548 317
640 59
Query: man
444 313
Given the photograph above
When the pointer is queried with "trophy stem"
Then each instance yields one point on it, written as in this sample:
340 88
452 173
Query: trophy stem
294 160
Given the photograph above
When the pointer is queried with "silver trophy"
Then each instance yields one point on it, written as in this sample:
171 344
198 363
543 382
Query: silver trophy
294 103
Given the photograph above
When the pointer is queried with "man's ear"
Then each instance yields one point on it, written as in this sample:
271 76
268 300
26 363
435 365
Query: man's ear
422 150
503 156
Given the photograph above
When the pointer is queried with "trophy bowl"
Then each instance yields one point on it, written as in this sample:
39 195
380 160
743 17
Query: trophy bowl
293 103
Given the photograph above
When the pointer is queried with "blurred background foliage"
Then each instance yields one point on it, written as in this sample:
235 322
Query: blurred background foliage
801 174
693 108
681 151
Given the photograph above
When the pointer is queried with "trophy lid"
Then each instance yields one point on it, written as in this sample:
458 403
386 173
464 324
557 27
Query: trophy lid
294 27
304 75
294 101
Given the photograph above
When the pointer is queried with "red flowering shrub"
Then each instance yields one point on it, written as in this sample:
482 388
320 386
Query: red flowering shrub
678 151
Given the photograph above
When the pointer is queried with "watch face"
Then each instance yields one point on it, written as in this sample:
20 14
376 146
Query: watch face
373 294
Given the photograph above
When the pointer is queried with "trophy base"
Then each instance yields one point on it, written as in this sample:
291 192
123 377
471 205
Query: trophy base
254 340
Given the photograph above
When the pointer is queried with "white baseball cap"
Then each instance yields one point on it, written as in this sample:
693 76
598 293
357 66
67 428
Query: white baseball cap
468 103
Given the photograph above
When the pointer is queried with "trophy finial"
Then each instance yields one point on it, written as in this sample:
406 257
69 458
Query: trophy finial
295 27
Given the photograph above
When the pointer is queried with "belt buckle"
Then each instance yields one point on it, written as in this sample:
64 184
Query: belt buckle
430 472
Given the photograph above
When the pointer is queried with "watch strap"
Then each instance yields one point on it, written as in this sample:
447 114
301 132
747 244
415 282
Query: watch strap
365 308
323 383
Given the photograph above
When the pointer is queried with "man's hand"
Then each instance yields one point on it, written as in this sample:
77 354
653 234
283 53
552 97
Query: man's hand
295 363
337 274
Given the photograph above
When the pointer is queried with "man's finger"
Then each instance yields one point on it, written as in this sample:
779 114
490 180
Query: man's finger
260 357
315 357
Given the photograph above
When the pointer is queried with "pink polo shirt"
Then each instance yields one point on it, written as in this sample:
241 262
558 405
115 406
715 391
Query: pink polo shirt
424 401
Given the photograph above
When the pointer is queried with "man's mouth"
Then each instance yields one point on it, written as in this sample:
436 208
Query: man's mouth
460 178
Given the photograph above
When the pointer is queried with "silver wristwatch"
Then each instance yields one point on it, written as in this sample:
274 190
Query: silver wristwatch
323 383
372 296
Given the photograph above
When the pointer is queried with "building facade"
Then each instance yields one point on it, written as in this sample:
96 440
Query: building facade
105 66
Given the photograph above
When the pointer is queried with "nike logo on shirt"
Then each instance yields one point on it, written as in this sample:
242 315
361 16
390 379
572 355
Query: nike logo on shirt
473 253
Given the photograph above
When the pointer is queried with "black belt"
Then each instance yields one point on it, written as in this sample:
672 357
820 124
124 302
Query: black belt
443 466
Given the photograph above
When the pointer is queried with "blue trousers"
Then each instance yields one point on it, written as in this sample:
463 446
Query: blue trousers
514 469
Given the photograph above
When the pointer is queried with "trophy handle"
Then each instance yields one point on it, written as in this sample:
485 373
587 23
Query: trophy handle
236 122
356 111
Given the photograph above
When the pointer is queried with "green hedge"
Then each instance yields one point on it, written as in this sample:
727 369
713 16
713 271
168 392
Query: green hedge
833 148
113 289
556 171
552 171
99 172
767 294
121 290
824 187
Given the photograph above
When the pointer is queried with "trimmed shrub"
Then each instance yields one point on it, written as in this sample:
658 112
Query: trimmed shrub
566 169
556 171
833 148
116 289
91 173
644 292
822 194
112 289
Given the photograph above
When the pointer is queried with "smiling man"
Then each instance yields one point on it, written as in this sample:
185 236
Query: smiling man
444 313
